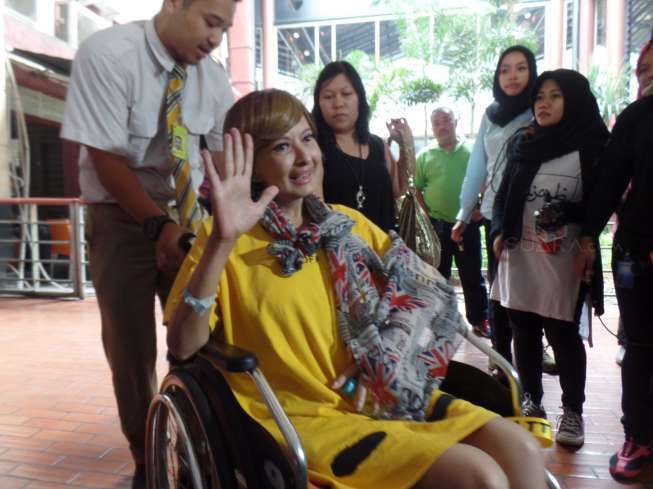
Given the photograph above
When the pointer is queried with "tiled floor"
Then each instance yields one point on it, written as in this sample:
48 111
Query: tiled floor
58 423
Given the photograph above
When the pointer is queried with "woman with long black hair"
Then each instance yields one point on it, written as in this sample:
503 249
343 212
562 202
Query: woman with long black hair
359 171
538 212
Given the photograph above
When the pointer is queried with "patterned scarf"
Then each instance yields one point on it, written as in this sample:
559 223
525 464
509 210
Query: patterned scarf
397 315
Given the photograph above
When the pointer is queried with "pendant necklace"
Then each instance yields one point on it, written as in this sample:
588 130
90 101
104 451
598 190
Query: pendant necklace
360 195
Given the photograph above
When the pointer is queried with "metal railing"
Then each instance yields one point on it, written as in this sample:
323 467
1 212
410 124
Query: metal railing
33 251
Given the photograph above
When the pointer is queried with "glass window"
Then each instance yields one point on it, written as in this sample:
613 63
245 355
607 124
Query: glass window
533 20
296 48
390 40
354 37
61 13
569 41
639 18
325 44
600 22
23 7
258 46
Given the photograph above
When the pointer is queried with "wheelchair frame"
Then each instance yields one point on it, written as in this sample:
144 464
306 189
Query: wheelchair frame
169 405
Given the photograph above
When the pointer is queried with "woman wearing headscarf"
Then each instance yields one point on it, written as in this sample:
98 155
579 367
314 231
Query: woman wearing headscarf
538 212
628 161
514 76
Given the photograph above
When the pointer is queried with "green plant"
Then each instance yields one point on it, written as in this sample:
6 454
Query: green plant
467 42
383 81
422 91
610 90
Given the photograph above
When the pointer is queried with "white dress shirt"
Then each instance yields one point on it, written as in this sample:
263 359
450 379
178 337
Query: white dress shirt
116 103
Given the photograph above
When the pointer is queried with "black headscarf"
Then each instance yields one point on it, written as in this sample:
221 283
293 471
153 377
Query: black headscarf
505 107
580 126
580 129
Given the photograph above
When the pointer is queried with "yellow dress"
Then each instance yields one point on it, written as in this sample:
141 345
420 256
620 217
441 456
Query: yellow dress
290 323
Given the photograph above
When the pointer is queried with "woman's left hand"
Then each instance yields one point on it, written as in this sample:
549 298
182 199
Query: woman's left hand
360 396
498 246
400 131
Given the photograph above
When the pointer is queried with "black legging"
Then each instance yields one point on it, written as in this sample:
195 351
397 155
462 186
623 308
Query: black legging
637 365
501 331
568 348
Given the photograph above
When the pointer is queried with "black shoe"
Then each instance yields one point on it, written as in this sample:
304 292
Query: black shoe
138 481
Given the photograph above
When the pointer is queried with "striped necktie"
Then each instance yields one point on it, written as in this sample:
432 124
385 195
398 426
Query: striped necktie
190 213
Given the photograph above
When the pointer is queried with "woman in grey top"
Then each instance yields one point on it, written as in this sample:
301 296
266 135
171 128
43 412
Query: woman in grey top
513 79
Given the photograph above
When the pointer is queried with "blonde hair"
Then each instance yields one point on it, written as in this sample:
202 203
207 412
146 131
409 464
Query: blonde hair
266 115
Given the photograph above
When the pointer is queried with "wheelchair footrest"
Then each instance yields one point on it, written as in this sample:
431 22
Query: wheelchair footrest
540 428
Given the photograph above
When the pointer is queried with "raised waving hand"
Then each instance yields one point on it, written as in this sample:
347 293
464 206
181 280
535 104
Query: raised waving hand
234 211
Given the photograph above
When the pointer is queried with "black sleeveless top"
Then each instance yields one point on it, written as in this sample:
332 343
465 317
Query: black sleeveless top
344 173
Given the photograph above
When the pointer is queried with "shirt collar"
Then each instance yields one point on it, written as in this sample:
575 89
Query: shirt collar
160 52
437 147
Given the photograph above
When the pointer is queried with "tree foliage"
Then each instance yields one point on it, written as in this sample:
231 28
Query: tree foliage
465 42
610 90
468 42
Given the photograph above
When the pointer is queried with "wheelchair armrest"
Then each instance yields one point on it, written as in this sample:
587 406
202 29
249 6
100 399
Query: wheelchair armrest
516 390
233 359
229 357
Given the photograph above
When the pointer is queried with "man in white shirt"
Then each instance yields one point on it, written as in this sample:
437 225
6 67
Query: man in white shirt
116 110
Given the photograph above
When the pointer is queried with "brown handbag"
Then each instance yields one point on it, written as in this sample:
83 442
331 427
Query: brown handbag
415 226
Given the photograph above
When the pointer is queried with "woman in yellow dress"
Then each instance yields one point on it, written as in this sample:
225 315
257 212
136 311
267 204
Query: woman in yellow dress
262 261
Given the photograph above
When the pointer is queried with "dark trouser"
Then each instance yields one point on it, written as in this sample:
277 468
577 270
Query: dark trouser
126 279
468 262
497 314
637 366
569 350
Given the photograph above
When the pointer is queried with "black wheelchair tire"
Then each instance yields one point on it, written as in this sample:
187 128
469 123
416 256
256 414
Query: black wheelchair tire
213 458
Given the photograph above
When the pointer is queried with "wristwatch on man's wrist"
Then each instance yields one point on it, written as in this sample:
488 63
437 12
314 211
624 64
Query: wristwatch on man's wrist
152 226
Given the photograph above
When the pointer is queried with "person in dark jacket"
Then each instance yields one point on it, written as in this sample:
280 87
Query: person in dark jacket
628 160
551 167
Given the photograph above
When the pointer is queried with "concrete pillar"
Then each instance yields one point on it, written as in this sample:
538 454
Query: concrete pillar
586 35
242 48
615 33
555 30
269 44
5 188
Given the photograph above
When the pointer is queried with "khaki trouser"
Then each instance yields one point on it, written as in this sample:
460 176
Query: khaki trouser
126 278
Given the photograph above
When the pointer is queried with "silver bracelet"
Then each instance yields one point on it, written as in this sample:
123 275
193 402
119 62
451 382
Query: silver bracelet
200 306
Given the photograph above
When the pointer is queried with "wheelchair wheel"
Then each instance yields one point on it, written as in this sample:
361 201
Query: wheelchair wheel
184 449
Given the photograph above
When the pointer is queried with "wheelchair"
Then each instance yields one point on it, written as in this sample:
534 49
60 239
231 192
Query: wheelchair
198 436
